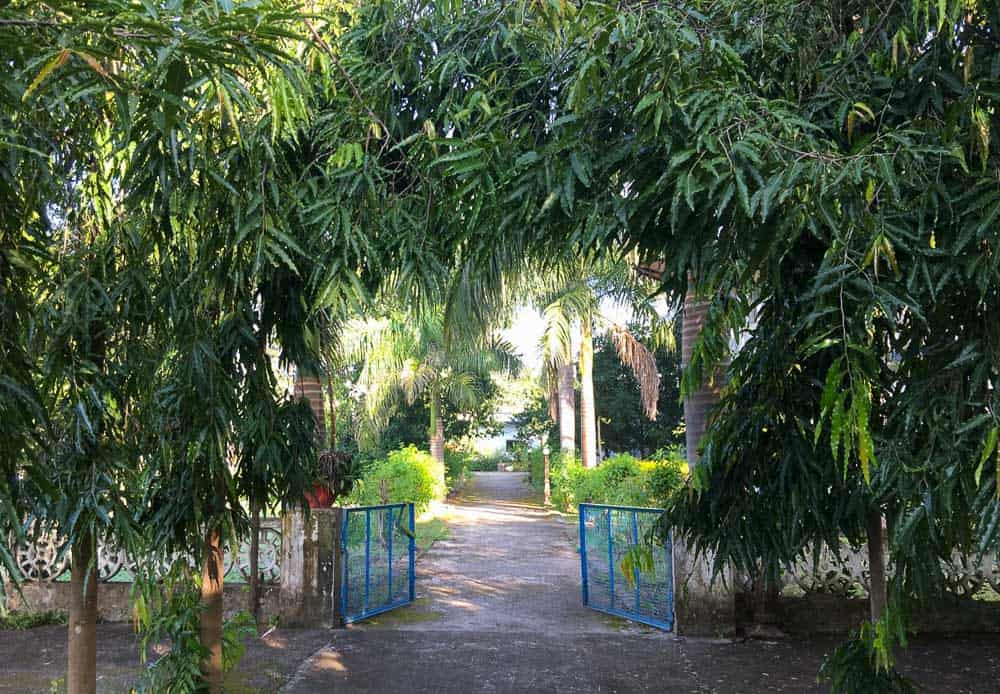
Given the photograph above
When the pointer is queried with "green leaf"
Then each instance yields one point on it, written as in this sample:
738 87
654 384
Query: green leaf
646 101
578 169
989 445
56 62
526 159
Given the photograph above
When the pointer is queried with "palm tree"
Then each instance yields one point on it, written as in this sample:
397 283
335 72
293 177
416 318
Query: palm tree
571 295
407 356
565 403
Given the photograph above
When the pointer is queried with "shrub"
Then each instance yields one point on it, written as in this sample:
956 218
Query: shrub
620 480
457 464
536 468
564 470
486 463
666 473
406 475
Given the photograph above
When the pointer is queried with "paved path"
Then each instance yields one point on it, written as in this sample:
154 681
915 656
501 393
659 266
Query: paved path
508 566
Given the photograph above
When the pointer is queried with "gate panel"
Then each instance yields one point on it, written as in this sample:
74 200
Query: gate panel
607 534
378 546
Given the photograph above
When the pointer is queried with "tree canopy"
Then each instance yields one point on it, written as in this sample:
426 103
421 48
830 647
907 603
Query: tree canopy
186 185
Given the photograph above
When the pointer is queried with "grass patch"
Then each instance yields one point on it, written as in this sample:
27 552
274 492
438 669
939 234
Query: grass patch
19 621
415 613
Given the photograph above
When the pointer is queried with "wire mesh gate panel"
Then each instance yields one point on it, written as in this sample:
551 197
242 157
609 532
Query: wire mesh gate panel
378 546
607 534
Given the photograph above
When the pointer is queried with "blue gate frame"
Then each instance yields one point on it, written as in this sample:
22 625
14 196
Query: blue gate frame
606 534
378 549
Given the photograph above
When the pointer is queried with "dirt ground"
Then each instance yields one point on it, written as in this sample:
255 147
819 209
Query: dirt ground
499 611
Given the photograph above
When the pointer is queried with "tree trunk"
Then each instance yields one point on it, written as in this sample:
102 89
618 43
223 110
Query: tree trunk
698 403
567 409
308 387
876 565
81 677
547 484
588 413
333 414
81 667
210 626
600 445
436 430
254 578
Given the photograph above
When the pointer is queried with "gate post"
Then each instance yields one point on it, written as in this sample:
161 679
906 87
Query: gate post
309 550
702 607
338 567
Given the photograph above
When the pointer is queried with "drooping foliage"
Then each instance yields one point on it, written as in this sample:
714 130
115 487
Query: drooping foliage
624 427
827 173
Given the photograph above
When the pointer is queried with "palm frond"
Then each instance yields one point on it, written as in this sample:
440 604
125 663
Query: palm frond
637 357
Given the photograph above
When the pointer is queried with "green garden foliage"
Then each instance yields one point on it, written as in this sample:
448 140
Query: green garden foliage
457 465
620 480
167 606
858 666
405 475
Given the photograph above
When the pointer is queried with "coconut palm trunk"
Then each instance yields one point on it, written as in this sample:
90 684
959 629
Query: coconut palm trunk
588 412
436 429
567 409
698 403
308 387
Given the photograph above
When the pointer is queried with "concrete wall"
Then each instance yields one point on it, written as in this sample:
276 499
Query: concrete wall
829 614
703 606
114 600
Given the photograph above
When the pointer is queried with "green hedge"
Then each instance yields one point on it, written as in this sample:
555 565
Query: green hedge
486 463
405 475
620 480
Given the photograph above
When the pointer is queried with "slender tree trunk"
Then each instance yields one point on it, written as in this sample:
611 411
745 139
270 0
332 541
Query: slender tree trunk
81 677
546 485
588 413
81 667
210 626
309 388
876 565
567 409
436 429
254 578
600 445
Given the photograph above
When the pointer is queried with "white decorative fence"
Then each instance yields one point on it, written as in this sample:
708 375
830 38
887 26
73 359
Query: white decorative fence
46 558
848 574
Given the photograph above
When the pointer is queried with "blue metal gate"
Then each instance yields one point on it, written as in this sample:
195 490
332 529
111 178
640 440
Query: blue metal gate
608 535
378 546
